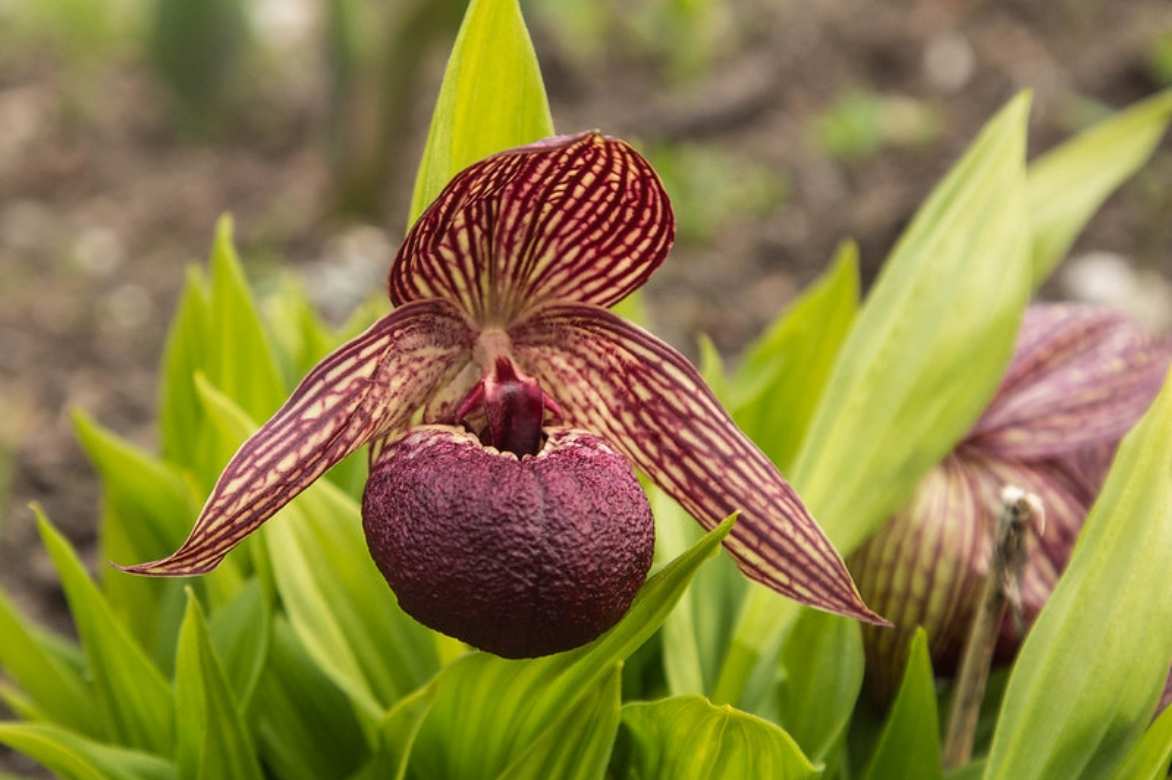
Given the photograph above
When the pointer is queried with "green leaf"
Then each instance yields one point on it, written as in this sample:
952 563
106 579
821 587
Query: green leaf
1081 696
492 98
930 344
1068 184
489 710
300 338
396 736
305 726
241 631
57 690
148 509
698 630
687 737
785 371
909 745
578 746
217 332
337 601
131 694
243 362
822 667
1149 760
180 416
71 756
213 740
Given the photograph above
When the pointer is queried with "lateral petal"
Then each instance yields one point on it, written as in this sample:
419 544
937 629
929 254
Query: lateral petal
618 381
1081 376
580 218
368 387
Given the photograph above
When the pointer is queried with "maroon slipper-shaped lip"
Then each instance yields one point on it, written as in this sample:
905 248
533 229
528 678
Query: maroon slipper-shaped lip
519 556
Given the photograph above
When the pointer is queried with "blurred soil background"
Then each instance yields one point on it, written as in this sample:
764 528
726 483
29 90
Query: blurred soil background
779 127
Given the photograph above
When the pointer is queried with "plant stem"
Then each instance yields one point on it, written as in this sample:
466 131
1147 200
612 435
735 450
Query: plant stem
1019 510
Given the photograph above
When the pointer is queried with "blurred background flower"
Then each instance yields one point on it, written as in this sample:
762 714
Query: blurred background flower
1080 378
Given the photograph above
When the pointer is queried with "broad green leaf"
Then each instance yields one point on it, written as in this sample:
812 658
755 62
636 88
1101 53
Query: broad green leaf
147 511
687 737
489 710
180 416
492 98
213 741
300 338
241 631
698 630
925 354
822 667
55 688
305 726
712 369
1068 184
129 692
217 332
929 346
579 750
784 372
1087 679
337 601
243 362
1149 760
971 771
396 736
73 757
909 745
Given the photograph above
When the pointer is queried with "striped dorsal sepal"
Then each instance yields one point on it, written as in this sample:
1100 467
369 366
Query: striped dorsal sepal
580 218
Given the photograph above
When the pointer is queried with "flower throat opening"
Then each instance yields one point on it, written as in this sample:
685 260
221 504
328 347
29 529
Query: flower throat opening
509 408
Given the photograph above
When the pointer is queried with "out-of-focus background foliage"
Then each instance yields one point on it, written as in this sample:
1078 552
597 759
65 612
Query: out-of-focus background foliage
780 127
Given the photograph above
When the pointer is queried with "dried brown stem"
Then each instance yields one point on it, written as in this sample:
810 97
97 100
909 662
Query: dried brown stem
1019 511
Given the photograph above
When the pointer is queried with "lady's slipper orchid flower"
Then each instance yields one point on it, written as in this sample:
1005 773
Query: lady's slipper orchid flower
509 516
1079 379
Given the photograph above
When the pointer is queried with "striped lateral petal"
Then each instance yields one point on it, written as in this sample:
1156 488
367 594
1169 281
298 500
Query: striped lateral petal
579 218
622 383
1081 376
368 387
926 567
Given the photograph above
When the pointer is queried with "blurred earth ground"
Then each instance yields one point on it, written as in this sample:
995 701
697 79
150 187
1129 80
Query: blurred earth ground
780 128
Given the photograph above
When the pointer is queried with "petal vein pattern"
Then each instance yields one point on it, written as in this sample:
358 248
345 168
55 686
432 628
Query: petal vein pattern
622 383
1081 376
575 218
368 387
